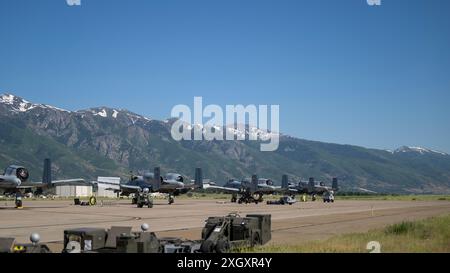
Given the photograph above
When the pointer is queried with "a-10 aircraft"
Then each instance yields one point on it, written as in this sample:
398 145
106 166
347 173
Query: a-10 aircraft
249 191
15 180
172 184
312 188
252 191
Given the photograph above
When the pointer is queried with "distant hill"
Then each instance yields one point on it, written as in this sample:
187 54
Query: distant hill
104 141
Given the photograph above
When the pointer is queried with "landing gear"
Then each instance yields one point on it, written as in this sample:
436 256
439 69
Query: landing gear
18 201
313 197
171 199
247 198
233 198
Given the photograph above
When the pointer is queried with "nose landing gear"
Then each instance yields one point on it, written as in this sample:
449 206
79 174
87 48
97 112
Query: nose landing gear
18 201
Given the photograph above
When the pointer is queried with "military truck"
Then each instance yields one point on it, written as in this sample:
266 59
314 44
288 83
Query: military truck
223 234
144 199
328 197
114 240
9 245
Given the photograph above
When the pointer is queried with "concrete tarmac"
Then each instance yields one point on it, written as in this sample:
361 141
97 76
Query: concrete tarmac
290 224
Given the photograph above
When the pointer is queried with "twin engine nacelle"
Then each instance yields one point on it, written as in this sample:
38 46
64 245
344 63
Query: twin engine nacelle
22 174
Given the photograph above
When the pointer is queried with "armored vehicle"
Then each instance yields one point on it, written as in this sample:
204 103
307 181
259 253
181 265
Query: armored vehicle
222 234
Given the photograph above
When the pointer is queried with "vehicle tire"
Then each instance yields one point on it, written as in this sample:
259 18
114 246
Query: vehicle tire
134 201
140 205
150 205
222 246
18 203
255 239
239 201
171 200
207 247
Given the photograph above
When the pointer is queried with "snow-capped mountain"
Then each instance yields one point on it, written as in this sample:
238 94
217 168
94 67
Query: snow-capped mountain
19 105
420 150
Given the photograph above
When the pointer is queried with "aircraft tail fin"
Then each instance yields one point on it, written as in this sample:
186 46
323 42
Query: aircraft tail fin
198 178
311 182
47 174
335 184
157 178
284 181
254 184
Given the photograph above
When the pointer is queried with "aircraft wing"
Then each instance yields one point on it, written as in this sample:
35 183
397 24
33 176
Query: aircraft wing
288 190
219 188
130 187
71 182
68 182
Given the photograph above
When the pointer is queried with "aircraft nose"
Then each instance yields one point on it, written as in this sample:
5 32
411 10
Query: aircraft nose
180 185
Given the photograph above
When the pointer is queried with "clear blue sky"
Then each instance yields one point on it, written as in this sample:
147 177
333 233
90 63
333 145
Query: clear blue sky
341 71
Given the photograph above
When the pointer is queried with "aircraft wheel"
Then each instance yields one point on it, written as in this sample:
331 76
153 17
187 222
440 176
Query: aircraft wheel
150 205
19 204
171 200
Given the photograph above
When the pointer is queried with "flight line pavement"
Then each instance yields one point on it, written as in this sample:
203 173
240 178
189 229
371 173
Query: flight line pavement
186 217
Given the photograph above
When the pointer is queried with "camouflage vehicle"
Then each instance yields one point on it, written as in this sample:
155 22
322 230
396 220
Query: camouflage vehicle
9 245
222 234
144 199
114 240
328 197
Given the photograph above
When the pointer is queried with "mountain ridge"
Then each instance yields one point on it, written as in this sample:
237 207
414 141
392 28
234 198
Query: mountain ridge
111 141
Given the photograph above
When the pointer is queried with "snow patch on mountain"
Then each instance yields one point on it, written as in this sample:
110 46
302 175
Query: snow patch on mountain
115 113
102 113
19 105
420 150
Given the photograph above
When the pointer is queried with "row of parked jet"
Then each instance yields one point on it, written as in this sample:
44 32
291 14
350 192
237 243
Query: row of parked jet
15 180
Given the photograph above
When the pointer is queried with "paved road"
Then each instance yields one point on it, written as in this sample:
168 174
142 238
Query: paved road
185 218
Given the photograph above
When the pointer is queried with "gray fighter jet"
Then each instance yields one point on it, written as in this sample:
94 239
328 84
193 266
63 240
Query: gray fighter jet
172 184
313 188
248 191
15 180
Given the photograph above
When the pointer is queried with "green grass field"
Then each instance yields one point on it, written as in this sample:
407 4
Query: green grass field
422 197
427 236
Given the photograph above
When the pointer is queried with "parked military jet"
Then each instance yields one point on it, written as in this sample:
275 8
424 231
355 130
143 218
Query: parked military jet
15 180
248 191
172 184
312 188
